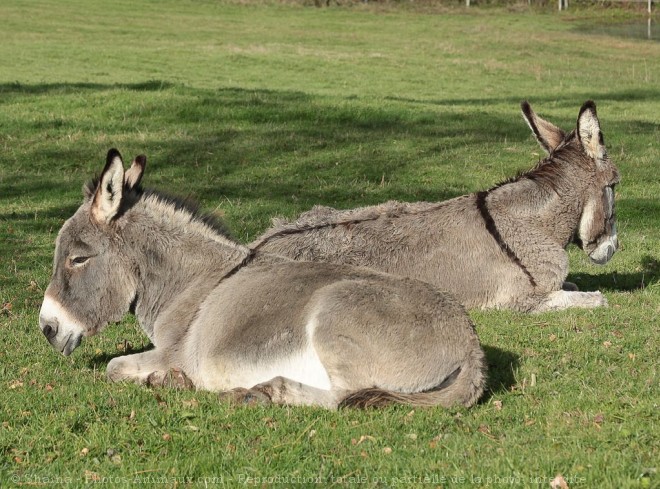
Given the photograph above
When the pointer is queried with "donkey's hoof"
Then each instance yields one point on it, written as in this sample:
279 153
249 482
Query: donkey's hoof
232 396
255 397
174 378
591 300
252 397
563 299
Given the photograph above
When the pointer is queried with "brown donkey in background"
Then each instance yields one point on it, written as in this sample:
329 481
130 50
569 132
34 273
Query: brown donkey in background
500 248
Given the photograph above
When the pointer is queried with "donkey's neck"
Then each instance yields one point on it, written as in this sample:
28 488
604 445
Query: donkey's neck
532 225
179 260
548 210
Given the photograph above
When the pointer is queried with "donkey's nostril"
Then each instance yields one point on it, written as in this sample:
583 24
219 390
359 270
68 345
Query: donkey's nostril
50 331
610 251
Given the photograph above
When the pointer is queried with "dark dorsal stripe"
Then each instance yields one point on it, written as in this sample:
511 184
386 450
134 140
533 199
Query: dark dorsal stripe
492 229
312 227
245 261
299 229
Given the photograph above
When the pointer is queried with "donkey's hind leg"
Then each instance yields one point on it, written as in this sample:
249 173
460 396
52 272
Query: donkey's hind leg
563 299
281 390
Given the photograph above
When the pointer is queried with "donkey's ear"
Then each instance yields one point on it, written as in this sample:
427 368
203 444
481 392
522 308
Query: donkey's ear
107 196
547 134
134 174
588 131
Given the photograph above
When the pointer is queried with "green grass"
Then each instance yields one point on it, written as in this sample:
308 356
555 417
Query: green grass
262 110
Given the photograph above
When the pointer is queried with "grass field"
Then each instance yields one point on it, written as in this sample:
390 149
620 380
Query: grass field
261 110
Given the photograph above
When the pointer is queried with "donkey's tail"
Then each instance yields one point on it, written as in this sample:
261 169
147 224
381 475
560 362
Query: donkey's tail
464 386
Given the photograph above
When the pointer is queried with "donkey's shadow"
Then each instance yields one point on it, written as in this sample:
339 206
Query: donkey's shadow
100 361
502 365
647 273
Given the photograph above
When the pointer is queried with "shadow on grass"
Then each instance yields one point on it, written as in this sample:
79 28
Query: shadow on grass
648 274
289 147
22 237
502 365
285 146
567 100
51 88
43 222
637 28
100 361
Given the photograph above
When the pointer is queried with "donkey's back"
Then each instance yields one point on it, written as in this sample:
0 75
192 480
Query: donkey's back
440 243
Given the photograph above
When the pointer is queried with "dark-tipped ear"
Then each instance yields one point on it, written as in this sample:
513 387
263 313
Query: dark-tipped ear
108 194
547 134
588 130
134 174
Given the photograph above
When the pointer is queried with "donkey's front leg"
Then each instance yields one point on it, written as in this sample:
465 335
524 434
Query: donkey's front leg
563 299
138 367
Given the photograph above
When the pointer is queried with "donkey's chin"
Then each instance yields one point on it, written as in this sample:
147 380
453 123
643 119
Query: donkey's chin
67 344
604 252
72 342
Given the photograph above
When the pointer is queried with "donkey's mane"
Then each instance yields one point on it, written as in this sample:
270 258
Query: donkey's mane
182 209
189 209
546 172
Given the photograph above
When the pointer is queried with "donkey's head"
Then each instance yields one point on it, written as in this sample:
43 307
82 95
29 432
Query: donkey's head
93 282
583 150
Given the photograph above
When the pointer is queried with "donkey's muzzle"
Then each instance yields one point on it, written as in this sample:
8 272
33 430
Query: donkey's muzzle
604 252
64 343
60 329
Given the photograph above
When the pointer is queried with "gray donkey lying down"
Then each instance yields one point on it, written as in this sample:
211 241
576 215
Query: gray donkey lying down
500 248
225 318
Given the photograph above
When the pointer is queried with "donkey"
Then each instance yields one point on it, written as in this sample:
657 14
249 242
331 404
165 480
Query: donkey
499 248
263 327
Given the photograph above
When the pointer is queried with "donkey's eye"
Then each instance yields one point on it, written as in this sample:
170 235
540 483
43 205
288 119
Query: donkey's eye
79 260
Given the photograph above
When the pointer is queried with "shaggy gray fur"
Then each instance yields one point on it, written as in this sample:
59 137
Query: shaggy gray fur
502 248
